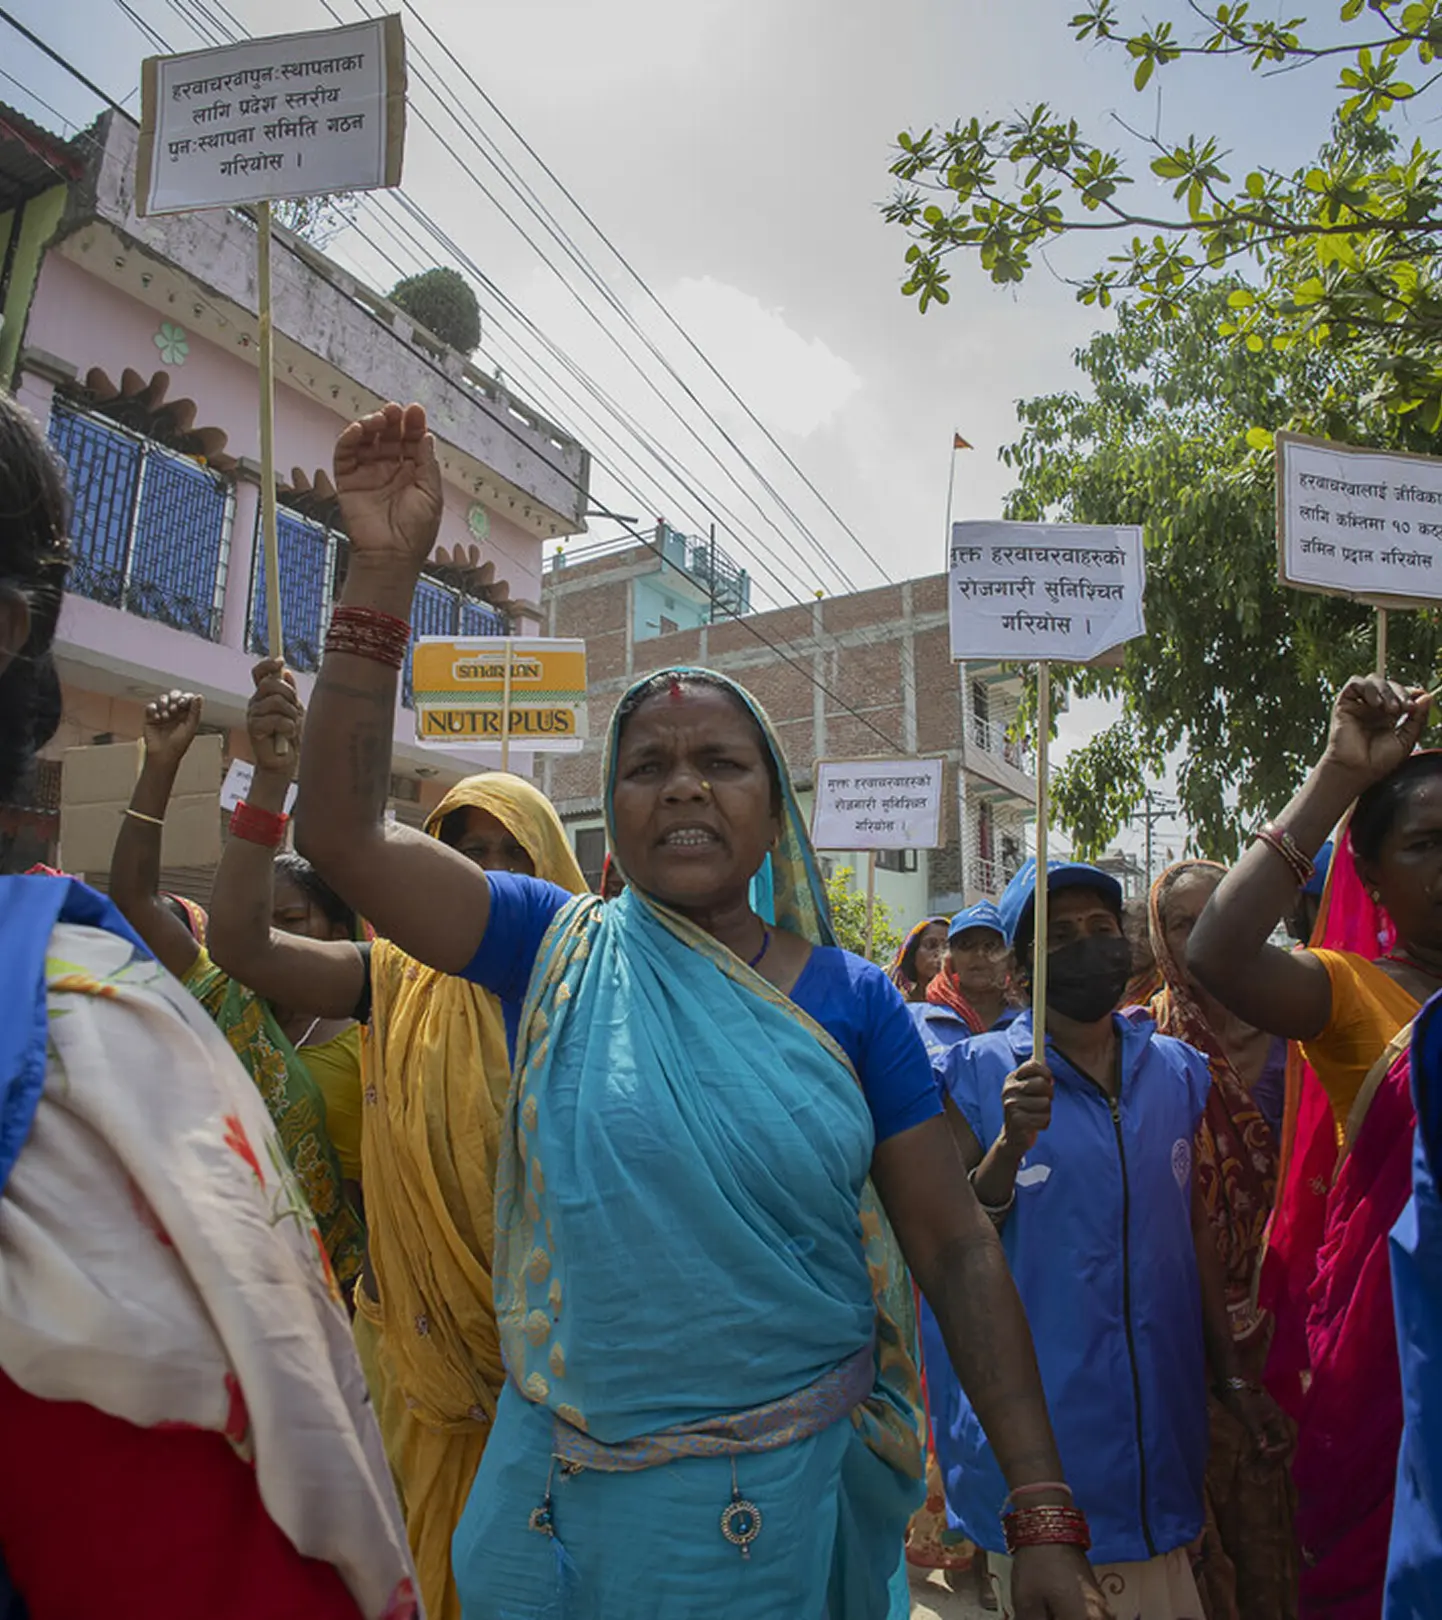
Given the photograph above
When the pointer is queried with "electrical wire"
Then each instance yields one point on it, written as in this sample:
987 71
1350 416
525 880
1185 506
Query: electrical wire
718 606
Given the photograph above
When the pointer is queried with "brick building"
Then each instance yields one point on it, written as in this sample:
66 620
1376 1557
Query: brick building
866 675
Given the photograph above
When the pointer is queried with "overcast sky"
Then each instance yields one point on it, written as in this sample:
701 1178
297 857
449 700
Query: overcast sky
736 151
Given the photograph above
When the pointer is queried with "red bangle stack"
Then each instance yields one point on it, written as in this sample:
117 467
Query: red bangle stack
1045 1527
258 826
368 633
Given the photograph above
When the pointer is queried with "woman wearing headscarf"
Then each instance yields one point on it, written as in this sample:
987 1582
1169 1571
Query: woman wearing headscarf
918 958
1346 1151
1250 1561
708 1410
184 1422
304 1058
436 1070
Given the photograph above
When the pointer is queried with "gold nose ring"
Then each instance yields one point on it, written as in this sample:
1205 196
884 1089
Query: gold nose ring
705 785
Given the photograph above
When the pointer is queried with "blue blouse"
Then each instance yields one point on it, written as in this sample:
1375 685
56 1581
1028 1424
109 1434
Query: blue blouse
853 1001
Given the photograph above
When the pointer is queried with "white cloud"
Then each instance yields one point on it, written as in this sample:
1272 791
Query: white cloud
793 383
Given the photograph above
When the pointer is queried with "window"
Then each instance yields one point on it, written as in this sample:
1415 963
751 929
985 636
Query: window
591 854
985 845
896 860
980 703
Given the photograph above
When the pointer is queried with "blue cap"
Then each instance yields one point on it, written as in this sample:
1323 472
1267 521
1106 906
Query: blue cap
1322 864
1019 900
981 915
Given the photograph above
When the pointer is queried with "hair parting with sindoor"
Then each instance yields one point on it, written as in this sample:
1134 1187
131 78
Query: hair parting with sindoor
34 561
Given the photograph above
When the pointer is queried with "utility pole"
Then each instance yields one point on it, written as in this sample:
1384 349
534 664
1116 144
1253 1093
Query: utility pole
1157 808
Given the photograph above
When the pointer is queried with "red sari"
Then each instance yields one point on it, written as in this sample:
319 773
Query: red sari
1326 1277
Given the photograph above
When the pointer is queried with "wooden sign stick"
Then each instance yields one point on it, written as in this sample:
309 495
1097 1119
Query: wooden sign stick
269 537
1039 904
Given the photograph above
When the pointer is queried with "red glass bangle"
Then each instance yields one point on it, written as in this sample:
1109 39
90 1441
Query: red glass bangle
1045 1527
365 632
257 826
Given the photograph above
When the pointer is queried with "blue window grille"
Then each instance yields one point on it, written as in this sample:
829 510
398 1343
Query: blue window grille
151 529
441 610
307 555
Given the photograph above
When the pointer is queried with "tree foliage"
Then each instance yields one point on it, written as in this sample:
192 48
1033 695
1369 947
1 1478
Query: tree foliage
848 918
316 220
1340 253
1236 672
442 301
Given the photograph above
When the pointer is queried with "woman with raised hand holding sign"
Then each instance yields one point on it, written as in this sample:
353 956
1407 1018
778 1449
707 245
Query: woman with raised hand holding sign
709 1412
1347 1133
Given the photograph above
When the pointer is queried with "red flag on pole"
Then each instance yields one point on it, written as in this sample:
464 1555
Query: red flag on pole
958 443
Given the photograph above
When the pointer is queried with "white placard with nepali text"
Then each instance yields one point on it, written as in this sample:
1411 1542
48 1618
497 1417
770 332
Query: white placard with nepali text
1023 592
295 115
1360 523
877 804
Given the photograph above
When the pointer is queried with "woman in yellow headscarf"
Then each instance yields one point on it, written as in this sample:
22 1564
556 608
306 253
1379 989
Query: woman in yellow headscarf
437 1071
435 1074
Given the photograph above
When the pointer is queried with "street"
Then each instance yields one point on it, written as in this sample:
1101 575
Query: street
931 1599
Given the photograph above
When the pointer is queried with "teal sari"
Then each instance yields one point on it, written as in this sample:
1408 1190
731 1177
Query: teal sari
691 1284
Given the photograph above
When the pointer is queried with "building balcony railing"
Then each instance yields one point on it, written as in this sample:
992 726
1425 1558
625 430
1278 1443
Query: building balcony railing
151 529
995 740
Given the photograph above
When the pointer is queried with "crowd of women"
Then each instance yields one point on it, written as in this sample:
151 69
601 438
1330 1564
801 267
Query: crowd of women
412 1231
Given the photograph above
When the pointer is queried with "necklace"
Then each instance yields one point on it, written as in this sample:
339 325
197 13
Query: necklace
309 1032
765 946
1405 957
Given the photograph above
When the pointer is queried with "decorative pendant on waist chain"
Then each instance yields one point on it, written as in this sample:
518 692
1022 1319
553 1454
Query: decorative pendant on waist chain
741 1522
543 1518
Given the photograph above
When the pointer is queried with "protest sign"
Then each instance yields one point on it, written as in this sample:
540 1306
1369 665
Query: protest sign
496 691
295 115
1024 592
1360 523
869 804
1042 593
95 788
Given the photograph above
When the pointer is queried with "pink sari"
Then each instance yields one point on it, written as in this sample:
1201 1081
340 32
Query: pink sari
1326 1278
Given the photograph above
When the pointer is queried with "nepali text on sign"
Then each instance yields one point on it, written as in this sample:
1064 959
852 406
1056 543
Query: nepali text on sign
1023 592
877 804
296 115
1361 523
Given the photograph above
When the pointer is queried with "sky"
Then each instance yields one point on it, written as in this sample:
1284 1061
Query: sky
736 153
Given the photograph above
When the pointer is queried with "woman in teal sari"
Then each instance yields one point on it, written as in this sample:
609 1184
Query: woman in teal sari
710 1409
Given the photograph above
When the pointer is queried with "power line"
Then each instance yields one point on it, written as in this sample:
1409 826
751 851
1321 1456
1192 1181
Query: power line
717 604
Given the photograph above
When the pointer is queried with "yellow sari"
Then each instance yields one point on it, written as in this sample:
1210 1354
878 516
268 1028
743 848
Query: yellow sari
437 1075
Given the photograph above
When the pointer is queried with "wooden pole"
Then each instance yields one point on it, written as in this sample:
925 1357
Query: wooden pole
506 711
870 899
1382 642
269 539
1038 964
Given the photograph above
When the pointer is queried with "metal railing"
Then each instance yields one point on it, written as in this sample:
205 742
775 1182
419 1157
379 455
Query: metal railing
150 532
995 740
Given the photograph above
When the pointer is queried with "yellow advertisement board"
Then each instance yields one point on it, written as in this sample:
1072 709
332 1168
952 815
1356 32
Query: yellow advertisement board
463 698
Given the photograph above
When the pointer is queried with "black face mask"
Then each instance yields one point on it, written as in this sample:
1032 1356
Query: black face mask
1086 979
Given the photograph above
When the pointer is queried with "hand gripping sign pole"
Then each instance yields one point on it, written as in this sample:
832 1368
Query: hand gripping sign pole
1043 593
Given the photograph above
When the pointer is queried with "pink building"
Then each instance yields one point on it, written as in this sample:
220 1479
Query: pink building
134 342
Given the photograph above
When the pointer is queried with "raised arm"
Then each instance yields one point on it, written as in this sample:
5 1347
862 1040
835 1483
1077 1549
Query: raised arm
958 1263
1375 726
431 901
323 976
171 722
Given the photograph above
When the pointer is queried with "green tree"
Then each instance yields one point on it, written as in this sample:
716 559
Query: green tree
1341 253
442 301
848 918
1236 672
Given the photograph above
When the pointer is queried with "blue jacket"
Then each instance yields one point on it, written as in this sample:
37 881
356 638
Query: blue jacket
1414 1566
1100 1244
942 1028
